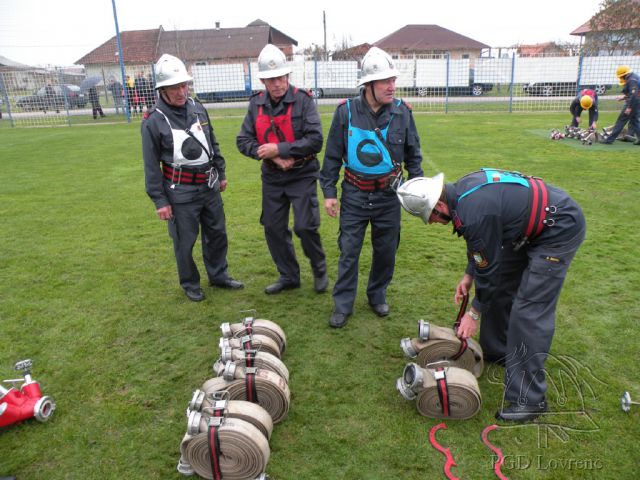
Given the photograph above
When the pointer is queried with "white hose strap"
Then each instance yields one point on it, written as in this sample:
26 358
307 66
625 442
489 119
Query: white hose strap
247 411
272 391
244 451
441 343
462 390
261 360
256 326
261 343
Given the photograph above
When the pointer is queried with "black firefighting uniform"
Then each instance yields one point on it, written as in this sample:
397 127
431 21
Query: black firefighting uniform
632 100
516 290
295 188
359 208
576 109
194 206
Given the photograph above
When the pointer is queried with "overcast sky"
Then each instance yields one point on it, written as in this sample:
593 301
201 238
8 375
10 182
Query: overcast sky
59 32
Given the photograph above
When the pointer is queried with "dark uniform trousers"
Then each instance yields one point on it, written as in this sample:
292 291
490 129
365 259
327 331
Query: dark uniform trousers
204 211
301 194
358 209
520 321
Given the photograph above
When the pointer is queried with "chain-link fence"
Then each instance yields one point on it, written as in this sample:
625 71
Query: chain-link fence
511 83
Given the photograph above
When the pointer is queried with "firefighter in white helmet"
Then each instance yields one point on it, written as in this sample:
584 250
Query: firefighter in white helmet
184 175
373 136
630 112
282 130
522 235
587 99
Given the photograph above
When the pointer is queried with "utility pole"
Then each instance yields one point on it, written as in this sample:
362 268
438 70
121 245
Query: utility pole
324 23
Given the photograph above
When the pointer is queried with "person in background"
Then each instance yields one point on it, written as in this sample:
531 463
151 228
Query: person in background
282 130
115 87
131 94
184 175
371 135
630 112
521 235
96 108
144 91
587 99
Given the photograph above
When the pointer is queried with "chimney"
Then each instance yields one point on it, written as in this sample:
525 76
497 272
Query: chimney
217 25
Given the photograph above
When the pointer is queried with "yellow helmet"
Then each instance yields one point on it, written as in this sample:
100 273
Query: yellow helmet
621 72
586 102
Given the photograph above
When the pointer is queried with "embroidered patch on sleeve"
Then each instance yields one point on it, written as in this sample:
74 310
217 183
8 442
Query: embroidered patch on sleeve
480 259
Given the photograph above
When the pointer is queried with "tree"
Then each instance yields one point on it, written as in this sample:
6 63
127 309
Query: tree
615 29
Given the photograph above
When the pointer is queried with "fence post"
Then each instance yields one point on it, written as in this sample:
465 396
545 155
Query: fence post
64 94
446 88
5 97
578 81
512 84
315 77
121 60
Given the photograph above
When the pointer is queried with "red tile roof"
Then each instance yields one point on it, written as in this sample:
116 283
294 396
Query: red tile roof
424 38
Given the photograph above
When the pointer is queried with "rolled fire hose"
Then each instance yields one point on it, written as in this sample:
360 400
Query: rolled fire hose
264 387
255 326
436 343
203 406
441 392
261 343
243 451
248 358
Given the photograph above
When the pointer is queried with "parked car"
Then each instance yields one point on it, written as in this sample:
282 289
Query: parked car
474 88
69 95
567 89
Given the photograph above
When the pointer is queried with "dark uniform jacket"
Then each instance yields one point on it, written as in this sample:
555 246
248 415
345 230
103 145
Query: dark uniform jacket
494 215
157 146
402 137
631 92
307 131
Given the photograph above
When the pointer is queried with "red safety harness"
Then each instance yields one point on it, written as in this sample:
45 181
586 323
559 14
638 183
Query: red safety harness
538 209
371 184
183 176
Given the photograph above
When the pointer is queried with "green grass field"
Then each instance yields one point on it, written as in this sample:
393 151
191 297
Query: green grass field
89 291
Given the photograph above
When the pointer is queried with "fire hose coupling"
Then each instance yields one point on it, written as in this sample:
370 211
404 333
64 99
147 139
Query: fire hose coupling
407 347
424 329
411 378
626 402
196 401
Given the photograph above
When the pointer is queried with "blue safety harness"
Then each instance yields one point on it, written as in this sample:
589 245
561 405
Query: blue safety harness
367 151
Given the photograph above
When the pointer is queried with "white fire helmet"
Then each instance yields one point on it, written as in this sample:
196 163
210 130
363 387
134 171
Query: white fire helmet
170 70
272 63
419 195
377 65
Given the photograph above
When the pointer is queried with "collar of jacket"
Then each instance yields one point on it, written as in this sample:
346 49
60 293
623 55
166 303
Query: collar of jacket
363 106
287 98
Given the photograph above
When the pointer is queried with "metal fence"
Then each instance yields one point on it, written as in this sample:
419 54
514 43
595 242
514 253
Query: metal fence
440 84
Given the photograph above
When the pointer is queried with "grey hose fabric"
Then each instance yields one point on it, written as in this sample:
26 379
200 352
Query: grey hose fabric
244 451
436 343
262 360
255 326
260 343
272 390
441 392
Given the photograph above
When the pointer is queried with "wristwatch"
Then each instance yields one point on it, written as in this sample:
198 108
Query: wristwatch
474 315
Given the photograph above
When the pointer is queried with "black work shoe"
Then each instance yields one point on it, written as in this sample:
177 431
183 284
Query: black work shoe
194 294
321 283
521 413
279 286
229 283
338 320
380 309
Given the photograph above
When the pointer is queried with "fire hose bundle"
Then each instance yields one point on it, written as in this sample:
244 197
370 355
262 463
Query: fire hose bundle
231 417
586 136
443 382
